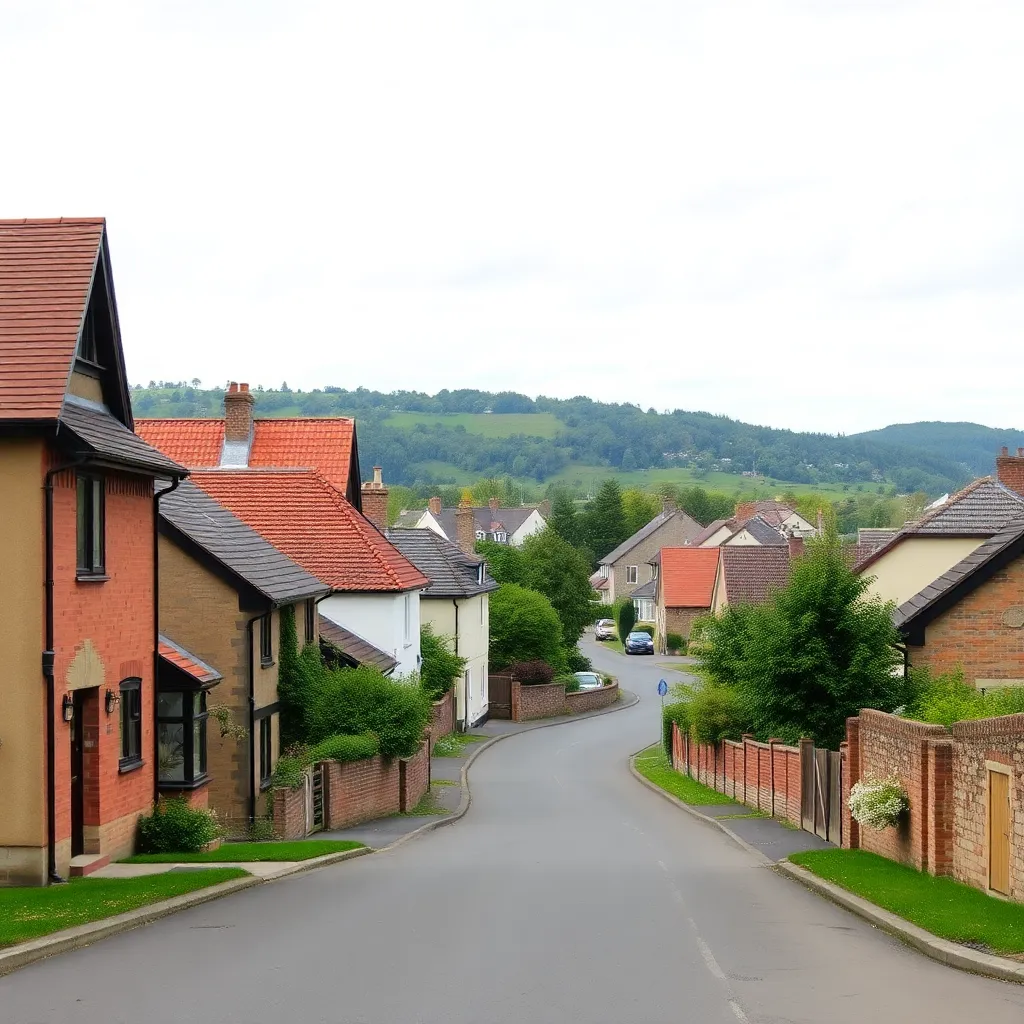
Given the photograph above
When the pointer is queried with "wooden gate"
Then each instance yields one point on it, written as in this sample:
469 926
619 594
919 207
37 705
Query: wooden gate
821 793
499 696
999 832
315 796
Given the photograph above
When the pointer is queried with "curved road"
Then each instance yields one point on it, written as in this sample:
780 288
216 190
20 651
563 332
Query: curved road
568 893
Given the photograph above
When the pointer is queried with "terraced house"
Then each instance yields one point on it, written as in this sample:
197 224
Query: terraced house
78 528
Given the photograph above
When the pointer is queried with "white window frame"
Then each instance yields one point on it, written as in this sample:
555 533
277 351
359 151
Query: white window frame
501 538
632 573
480 535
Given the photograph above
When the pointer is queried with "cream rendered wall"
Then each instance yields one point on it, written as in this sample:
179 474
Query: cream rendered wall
473 639
380 618
915 562
534 523
742 539
716 539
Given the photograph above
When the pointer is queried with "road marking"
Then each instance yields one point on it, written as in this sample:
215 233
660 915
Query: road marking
738 1012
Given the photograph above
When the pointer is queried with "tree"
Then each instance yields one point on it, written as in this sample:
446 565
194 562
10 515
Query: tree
440 666
505 563
639 508
562 574
625 617
524 627
604 522
815 654
564 518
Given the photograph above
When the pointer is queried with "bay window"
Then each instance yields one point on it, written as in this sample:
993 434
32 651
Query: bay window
181 717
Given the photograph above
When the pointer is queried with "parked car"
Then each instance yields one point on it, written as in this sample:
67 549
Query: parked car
589 680
639 643
605 630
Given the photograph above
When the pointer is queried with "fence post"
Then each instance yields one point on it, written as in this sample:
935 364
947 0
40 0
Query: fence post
771 770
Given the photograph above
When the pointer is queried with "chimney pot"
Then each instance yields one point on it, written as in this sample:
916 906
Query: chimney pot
378 478
435 506
374 499
238 403
1020 453
494 504
1010 470
1005 452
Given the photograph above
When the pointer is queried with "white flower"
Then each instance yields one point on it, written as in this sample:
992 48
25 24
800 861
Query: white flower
878 804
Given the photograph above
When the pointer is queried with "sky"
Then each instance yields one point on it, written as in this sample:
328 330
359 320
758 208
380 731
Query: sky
800 213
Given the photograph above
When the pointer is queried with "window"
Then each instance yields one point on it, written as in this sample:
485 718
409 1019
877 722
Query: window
310 621
87 348
408 619
480 535
266 750
91 539
480 573
266 641
501 538
654 571
131 723
631 573
181 737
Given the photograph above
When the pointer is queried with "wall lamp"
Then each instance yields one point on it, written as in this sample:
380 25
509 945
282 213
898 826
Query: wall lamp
67 707
113 699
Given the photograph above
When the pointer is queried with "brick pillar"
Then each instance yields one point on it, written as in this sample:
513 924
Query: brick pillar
851 775
375 500
465 527
516 685
940 810
806 754
238 403
1010 470
434 505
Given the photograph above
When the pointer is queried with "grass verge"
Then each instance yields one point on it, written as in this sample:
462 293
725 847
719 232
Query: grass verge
455 743
305 849
29 913
941 906
429 804
613 645
653 765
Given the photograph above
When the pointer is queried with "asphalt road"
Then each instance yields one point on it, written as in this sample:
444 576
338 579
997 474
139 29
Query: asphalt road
568 893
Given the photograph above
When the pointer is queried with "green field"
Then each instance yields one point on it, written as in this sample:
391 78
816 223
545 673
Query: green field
500 424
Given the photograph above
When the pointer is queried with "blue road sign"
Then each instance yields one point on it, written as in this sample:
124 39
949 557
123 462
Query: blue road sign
662 688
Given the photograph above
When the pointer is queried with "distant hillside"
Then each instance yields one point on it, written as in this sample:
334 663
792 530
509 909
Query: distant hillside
972 444
425 439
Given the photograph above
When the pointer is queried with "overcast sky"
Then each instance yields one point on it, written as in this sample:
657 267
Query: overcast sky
808 214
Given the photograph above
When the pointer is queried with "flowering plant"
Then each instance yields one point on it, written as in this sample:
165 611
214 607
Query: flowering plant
878 804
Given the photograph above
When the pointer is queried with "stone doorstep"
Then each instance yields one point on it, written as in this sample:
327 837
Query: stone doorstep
86 863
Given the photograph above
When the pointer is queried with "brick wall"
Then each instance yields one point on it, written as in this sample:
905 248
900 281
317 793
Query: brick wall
361 790
442 718
972 634
999 740
289 810
543 700
591 700
765 776
680 620
413 778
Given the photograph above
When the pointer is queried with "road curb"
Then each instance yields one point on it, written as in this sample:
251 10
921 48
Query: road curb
467 798
950 953
706 818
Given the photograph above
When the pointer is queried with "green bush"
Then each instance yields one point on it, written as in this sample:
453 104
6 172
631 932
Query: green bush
570 682
948 698
288 772
716 713
625 617
174 827
577 661
644 627
524 627
441 665
678 712
532 672
345 748
675 642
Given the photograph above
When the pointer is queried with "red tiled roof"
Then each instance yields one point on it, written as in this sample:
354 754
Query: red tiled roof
46 267
688 576
307 519
321 444
188 663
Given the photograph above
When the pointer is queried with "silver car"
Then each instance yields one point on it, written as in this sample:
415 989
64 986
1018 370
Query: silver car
605 630
589 680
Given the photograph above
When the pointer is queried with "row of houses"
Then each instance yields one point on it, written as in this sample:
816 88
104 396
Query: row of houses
148 567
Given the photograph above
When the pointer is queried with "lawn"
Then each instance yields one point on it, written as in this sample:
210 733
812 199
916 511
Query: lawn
305 849
653 765
941 906
455 743
499 424
613 645
29 913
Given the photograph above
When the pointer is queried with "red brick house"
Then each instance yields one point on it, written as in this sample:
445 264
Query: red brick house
685 589
78 604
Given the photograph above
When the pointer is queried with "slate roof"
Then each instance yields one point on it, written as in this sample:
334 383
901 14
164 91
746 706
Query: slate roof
355 648
236 546
46 269
647 592
765 534
646 531
688 576
982 509
774 513
303 443
505 520
308 519
187 662
451 572
711 529
969 573
874 537
750 573
410 519
108 438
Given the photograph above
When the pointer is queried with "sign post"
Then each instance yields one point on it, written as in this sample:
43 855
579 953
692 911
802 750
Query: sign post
662 690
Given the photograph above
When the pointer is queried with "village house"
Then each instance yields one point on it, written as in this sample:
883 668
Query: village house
78 605
685 589
628 566
222 592
748 574
490 522
456 605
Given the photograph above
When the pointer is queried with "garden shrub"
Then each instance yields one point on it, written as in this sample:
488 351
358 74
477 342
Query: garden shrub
716 713
949 698
174 827
570 682
678 712
441 666
524 627
644 627
530 672
345 748
625 617
675 642
577 661
289 772
878 804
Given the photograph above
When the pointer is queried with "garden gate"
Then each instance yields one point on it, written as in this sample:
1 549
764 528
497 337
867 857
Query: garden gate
821 793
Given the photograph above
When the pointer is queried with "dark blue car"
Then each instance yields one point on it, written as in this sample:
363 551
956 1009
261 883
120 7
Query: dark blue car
639 643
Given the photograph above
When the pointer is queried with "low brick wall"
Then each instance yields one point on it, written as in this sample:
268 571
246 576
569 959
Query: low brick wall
591 700
442 718
537 700
360 790
765 776
289 813
414 778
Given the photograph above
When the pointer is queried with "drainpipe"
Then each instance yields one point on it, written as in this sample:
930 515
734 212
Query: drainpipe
249 632
48 659
465 689
156 629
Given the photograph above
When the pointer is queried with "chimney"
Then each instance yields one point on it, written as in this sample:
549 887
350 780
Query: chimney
494 504
375 500
668 505
745 510
465 527
238 403
434 505
796 546
1010 470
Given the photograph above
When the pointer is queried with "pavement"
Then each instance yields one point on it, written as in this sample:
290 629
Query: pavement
567 893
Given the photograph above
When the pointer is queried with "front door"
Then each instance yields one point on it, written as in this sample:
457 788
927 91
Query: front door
999 832
77 773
